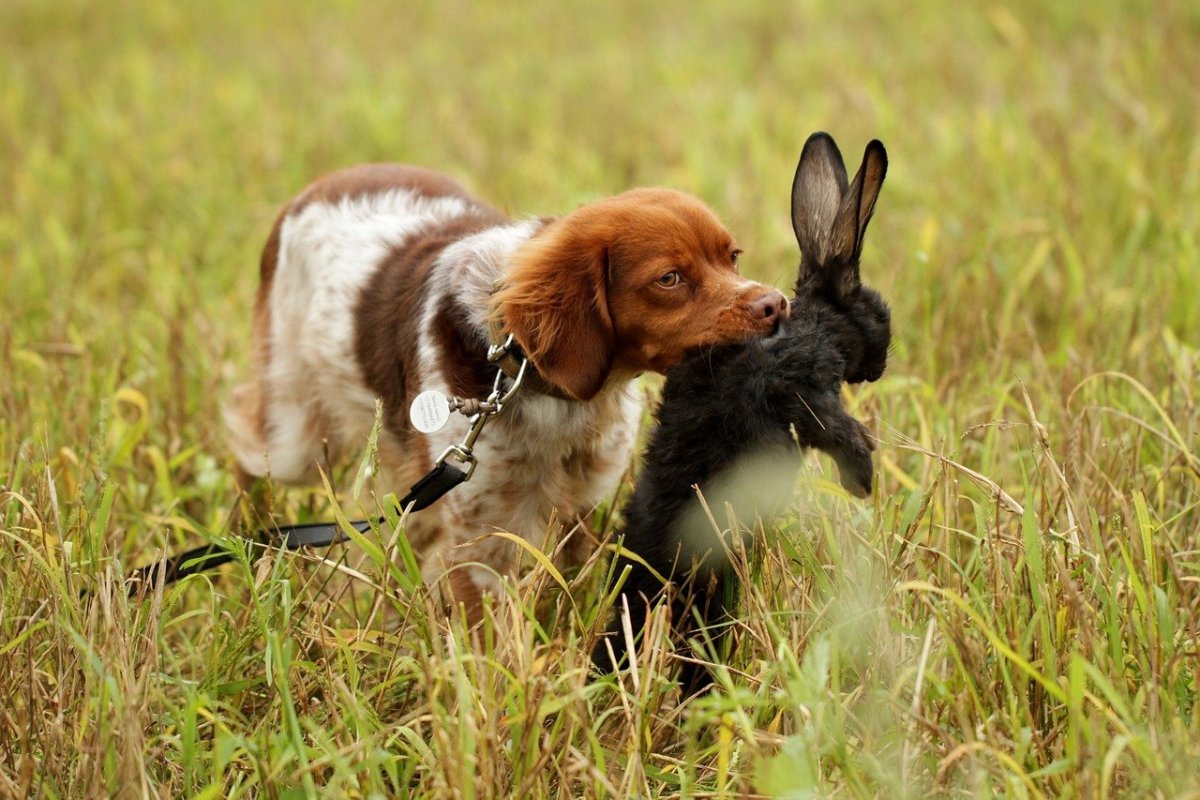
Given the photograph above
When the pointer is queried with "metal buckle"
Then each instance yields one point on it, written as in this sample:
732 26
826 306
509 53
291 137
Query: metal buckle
495 352
500 399
463 455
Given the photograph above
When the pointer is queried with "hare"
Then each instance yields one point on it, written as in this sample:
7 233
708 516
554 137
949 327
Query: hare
726 409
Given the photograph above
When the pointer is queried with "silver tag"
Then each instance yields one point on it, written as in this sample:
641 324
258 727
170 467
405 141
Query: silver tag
430 411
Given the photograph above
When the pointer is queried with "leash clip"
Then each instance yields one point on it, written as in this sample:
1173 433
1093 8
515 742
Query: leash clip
464 451
463 455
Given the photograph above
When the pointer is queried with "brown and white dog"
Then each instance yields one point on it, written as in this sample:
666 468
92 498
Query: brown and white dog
378 282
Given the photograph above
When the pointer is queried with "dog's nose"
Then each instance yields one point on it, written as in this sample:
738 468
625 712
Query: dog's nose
771 306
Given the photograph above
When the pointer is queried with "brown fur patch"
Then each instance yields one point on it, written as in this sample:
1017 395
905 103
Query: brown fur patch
387 315
466 372
464 592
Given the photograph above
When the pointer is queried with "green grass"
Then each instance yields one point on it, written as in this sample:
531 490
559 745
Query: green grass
1014 614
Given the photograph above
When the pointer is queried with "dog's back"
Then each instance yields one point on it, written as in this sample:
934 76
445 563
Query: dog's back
311 389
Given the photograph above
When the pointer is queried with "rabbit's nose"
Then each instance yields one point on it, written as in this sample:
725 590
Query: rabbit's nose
771 306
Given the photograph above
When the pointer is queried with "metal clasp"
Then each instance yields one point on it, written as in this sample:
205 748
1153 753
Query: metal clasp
462 455
495 352
464 451
500 399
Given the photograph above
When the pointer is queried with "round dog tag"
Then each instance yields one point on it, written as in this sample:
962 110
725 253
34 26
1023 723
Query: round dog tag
430 411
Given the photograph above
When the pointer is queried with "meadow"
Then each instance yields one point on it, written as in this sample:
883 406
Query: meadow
1015 612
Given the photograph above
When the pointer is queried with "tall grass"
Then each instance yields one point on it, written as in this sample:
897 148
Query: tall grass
1016 611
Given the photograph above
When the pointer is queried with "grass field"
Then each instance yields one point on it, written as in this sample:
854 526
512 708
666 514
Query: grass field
1017 611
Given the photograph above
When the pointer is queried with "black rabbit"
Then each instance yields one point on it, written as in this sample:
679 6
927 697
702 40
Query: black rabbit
726 408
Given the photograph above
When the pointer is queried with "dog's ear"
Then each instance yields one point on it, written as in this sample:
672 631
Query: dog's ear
555 304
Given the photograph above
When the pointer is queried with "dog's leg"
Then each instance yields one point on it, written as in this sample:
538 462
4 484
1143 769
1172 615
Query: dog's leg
464 594
456 575
294 440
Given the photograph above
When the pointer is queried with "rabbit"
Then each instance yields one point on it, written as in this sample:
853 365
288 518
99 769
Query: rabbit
726 408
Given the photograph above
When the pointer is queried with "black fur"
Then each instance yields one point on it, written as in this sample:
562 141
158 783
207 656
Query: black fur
765 399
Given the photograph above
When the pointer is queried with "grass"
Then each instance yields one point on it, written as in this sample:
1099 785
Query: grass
1014 614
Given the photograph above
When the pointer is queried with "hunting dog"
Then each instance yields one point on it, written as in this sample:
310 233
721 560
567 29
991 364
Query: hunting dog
384 281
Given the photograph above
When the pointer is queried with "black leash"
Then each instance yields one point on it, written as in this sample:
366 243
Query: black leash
429 413
424 493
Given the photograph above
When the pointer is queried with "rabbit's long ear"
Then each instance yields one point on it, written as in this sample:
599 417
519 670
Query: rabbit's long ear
818 195
857 207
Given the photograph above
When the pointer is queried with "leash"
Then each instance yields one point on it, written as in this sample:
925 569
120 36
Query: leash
429 413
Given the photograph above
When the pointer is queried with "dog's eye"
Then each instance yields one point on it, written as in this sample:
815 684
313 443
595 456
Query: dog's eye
669 280
733 258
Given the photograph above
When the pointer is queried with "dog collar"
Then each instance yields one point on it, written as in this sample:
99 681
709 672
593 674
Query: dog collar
505 352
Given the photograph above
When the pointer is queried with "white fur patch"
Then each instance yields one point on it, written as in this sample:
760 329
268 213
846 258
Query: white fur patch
327 253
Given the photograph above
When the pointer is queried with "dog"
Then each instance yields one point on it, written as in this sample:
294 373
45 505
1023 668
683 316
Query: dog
385 281
726 409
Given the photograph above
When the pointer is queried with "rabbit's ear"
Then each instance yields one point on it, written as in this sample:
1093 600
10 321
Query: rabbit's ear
855 213
818 193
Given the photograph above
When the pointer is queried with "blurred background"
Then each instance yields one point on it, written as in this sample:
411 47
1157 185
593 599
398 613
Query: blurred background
1037 237
1041 201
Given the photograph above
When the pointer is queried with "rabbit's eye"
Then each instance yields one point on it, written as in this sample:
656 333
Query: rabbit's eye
670 280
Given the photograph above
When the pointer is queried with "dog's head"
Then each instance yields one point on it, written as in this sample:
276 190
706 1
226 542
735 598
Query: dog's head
629 284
